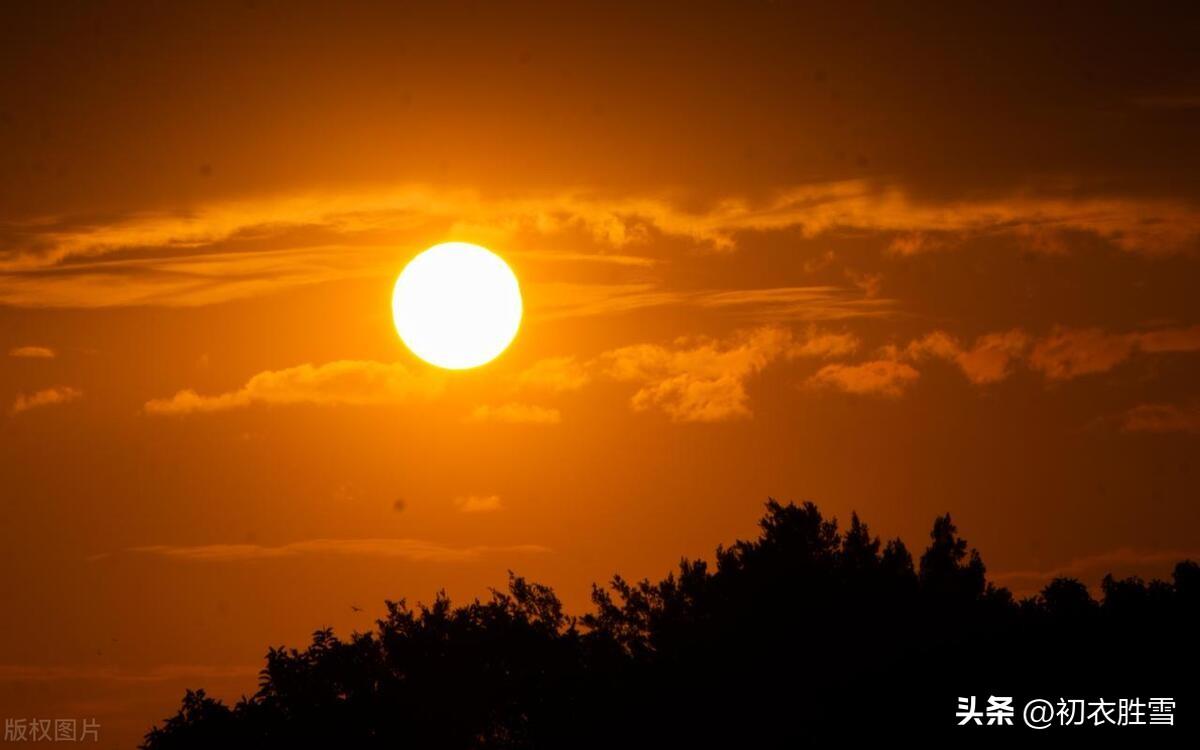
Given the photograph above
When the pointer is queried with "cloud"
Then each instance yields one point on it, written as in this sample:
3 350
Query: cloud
32 352
911 243
558 374
870 283
558 300
478 504
1169 340
515 413
1063 354
804 303
184 277
1068 353
1091 569
614 259
697 380
821 345
59 394
882 377
414 550
988 360
348 382
1149 227
704 391
1162 418
228 250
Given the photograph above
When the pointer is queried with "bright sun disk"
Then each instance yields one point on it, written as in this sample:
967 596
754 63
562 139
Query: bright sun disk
457 305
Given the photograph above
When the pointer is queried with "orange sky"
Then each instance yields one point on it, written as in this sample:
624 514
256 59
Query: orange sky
884 261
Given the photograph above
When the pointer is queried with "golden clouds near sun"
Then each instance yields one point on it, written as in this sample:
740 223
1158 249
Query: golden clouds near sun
457 305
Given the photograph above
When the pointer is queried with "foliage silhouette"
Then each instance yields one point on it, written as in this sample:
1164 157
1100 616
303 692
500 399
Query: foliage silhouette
802 630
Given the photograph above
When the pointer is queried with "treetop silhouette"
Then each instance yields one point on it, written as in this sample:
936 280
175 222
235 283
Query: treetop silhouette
806 628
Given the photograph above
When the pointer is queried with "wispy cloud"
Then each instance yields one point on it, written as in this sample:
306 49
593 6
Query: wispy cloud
415 550
614 259
697 380
694 379
825 345
797 303
552 301
559 300
222 251
558 374
344 382
1062 354
59 394
988 360
1069 353
881 377
515 413
1162 418
815 208
32 352
478 504
183 278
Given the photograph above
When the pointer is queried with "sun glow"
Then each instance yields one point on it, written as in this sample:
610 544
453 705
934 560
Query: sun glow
457 305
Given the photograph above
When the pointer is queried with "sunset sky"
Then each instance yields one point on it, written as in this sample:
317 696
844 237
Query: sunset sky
894 263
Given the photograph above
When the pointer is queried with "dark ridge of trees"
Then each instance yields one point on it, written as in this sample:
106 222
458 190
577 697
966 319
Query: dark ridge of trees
806 629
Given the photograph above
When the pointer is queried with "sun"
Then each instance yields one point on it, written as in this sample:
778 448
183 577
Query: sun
457 305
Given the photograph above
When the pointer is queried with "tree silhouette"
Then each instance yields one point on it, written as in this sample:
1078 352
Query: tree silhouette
804 629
